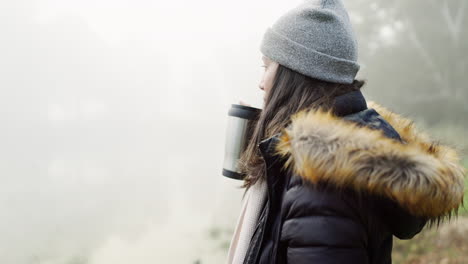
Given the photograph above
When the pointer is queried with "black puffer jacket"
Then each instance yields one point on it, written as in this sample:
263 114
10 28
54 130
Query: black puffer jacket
341 186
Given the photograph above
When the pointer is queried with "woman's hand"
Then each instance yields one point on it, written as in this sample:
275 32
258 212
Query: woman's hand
244 103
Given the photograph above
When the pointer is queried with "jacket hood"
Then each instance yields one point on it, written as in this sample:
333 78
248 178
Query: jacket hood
423 176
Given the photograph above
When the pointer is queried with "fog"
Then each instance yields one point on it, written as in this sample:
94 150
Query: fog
113 117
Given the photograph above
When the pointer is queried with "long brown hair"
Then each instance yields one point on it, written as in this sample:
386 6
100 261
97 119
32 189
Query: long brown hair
290 93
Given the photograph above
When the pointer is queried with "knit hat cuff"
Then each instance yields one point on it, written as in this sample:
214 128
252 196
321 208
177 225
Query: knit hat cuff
307 61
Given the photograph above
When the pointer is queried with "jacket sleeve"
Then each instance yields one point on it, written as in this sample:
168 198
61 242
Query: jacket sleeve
321 226
399 221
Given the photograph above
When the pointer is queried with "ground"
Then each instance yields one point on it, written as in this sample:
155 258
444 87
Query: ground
447 244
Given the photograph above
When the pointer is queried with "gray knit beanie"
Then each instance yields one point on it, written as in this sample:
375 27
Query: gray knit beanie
316 39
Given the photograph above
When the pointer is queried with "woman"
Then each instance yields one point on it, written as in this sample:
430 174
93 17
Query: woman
332 178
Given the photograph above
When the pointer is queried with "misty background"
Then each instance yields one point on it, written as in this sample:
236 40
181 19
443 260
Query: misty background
113 115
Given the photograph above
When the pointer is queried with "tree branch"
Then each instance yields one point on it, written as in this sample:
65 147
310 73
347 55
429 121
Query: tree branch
423 53
454 25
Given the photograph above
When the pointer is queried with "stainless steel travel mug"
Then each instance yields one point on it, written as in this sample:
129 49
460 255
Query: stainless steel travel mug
241 122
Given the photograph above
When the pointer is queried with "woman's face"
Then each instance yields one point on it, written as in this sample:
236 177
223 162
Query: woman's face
268 75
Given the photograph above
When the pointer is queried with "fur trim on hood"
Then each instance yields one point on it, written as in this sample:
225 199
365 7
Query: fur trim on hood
421 175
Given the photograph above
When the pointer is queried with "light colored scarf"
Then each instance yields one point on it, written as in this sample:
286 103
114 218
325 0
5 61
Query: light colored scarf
245 227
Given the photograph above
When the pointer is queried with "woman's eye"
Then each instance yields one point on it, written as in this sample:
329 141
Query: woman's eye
264 66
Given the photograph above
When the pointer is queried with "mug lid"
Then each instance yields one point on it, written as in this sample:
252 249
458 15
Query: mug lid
243 111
